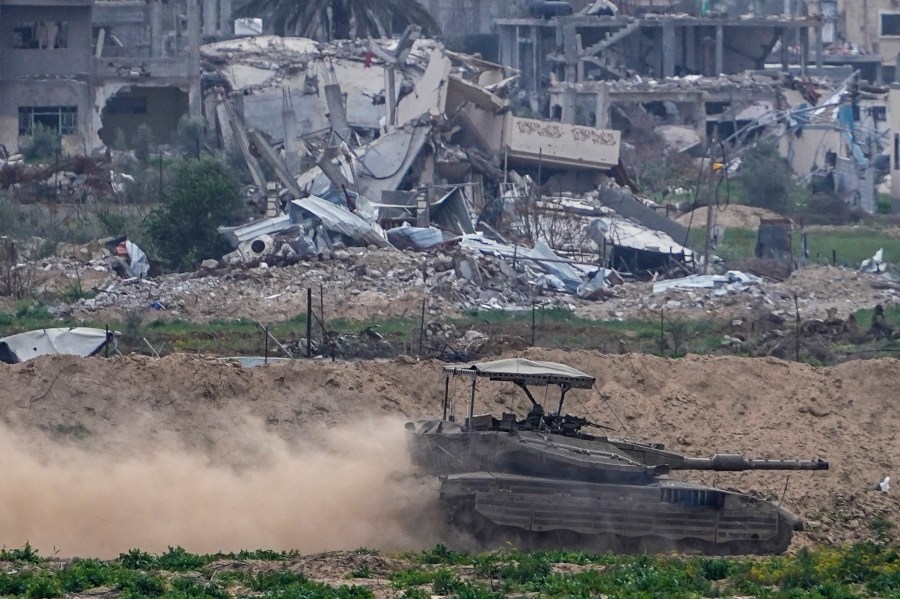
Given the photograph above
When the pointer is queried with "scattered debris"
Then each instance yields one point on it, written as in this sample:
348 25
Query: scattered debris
875 264
76 341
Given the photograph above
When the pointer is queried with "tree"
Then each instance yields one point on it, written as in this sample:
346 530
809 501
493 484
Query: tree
340 19
201 197
767 179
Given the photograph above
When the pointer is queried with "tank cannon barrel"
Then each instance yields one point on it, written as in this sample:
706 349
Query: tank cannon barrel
736 462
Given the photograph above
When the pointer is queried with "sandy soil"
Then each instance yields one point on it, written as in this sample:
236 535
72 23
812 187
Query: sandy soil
104 455
734 216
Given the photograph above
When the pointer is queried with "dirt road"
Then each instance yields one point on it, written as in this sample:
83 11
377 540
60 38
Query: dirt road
104 455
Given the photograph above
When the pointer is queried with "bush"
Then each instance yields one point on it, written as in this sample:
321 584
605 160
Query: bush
44 143
143 138
201 197
767 179
828 209
188 137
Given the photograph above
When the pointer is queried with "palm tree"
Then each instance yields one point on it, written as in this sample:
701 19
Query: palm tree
339 19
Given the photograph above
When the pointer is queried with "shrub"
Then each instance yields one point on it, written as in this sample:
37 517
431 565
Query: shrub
83 574
136 559
176 558
44 143
25 553
188 137
143 138
445 582
828 209
767 179
201 197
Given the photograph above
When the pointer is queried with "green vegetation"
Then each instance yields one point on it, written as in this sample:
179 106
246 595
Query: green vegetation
851 245
202 197
44 143
767 181
869 569
552 327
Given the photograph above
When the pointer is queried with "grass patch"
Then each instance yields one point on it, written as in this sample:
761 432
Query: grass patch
867 570
850 245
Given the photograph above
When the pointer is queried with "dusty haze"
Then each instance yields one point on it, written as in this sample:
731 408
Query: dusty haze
310 455
352 489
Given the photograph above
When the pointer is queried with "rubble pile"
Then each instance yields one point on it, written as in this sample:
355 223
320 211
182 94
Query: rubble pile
822 292
400 146
363 283
356 283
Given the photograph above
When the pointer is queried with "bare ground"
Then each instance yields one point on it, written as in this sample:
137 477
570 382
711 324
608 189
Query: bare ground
103 455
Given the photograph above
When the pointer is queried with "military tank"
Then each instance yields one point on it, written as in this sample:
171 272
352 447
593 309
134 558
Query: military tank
542 481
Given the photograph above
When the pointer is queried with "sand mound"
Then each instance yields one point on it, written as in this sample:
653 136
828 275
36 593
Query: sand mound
734 216
310 455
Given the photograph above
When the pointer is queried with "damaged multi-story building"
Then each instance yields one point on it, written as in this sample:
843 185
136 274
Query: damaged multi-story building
94 71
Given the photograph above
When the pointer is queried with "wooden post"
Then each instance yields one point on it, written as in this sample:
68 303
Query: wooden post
308 322
662 331
532 324
422 326
471 404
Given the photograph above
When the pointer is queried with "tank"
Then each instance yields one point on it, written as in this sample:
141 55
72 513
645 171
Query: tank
543 481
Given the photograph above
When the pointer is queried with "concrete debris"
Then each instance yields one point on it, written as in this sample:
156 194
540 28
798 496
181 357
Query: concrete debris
418 161
406 237
732 282
875 264
77 341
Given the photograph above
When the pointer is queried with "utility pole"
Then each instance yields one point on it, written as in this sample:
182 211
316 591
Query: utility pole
714 168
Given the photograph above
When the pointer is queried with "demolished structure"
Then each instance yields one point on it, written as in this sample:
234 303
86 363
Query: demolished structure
402 143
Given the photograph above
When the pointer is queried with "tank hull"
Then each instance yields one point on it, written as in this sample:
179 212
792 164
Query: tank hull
666 515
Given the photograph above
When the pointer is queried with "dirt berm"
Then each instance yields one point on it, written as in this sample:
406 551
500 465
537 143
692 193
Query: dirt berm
103 455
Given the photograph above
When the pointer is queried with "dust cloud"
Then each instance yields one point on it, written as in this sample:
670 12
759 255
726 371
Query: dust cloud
352 489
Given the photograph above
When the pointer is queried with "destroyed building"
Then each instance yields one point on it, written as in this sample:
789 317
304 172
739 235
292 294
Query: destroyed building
864 34
89 69
655 39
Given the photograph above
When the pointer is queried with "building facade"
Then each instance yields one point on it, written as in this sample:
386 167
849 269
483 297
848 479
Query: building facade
94 71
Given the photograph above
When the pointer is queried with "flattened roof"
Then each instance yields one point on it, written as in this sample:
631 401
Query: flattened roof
524 371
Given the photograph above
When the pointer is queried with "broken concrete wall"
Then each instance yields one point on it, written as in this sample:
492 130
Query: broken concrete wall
25 47
126 26
131 106
430 93
894 123
807 152
871 26
625 204
50 96
217 21
532 141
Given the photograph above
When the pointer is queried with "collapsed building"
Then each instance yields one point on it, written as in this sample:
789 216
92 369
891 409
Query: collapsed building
403 143
94 71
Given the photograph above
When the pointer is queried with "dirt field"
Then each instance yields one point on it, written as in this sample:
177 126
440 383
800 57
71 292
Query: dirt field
104 455
735 215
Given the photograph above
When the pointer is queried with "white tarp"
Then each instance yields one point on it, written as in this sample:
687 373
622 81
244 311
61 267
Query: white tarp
139 265
875 264
733 280
77 341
